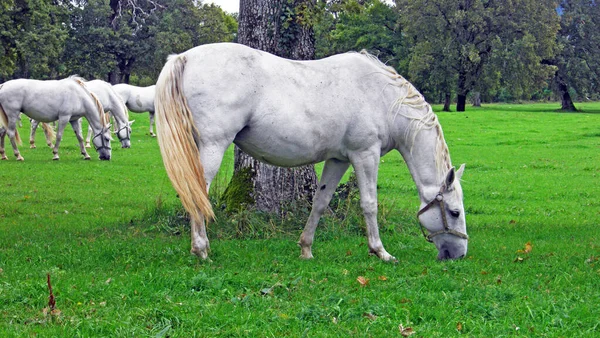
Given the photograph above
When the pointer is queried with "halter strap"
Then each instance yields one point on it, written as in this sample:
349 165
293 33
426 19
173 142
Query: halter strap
439 199
104 143
128 137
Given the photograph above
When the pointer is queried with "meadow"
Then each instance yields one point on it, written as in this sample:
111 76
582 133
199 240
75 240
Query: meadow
113 238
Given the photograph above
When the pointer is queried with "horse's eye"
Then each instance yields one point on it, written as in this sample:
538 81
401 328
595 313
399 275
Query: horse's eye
455 213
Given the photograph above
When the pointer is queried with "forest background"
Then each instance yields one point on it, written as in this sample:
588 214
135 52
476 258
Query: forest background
453 51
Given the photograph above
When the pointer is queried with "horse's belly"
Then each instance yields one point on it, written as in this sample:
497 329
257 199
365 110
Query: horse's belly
283 154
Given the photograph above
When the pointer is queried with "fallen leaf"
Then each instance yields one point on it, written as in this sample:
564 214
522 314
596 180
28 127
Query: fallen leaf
527 249
108 281
459 326
348 253
382 278
362 280
406 331
370 316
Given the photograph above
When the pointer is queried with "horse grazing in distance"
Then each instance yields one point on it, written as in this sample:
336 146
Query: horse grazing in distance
347 109
112 103
65 101
138 99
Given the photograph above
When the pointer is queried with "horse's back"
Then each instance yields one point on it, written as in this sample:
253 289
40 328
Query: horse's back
43 100
137 99
311 110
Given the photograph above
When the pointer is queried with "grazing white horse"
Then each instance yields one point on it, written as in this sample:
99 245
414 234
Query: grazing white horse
112 103
65 101
344 109
138 99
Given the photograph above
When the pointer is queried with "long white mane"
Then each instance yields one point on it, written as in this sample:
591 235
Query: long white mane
420 114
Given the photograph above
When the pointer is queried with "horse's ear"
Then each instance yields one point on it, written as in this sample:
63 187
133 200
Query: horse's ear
460 171
450 176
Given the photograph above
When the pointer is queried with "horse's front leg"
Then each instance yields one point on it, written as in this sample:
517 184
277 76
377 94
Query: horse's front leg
366 164
77 129
34 125
333 170
88 137
62 123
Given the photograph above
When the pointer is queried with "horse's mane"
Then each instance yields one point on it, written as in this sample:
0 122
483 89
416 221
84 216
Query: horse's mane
81 81
421 115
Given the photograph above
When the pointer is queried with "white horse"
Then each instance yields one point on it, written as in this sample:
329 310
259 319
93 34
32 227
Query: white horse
64 101
344 109
49 133
112 103
138 99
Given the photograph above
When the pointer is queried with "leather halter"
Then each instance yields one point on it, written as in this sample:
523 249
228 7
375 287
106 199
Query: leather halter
104 143
439 199
128 137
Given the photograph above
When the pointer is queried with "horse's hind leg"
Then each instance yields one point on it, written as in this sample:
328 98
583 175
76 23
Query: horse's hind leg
366 164
152 124
2 136
333 170
11 131
77 129
211 158
88 137
34 125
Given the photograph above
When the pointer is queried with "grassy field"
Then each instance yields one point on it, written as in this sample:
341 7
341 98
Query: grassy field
110 235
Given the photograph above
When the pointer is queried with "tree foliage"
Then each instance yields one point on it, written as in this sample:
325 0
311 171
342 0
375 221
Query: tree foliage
467 37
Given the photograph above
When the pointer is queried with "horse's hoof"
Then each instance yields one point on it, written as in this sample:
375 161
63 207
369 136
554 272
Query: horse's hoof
152 134
87 145
20 158
87 158
32 146
3 158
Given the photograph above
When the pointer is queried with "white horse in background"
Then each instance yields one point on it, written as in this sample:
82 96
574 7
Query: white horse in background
112 103
65 101
49 133
138 99
344 109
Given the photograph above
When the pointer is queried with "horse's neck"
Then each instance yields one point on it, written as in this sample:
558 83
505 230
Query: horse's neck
424 160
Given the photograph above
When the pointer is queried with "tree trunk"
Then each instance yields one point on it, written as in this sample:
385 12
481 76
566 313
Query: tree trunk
565 97
461 102
447 102
274 26
476 99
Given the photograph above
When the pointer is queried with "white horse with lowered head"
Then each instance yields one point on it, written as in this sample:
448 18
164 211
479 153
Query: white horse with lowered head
111 102
138 99
65 101
344 109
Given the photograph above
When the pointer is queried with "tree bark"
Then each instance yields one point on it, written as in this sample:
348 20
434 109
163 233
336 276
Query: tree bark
275 26
447 102
461 102
565 97
476 99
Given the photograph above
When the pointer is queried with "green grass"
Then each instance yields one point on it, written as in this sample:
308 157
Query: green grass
110 234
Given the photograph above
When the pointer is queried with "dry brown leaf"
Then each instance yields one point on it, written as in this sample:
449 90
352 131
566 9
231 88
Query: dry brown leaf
382 278
527 249
459 326
406 331
362 280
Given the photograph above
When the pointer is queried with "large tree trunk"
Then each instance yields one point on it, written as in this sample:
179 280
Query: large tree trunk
273 26
565 97
476 99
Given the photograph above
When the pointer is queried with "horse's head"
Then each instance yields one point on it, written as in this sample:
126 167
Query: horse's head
124 134
102 143
443 215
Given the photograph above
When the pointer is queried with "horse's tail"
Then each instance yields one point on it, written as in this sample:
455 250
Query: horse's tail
49 131
101 115
177 137
4 122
